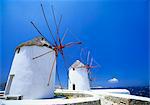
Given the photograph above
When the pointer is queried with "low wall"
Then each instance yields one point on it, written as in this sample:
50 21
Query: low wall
111 100
108 98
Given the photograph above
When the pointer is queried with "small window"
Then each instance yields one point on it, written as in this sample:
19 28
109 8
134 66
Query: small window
18 50
42 38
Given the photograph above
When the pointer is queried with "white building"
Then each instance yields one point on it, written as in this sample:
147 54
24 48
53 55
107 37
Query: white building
78 77
29 77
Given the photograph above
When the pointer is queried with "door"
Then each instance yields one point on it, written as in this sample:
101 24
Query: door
73 86
9 82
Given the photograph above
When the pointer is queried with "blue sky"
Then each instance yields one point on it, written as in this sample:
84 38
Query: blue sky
115 31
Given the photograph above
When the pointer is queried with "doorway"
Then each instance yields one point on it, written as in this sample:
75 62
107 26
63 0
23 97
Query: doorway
7 89
73 86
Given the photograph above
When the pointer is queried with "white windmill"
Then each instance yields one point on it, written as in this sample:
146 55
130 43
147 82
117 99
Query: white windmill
33 70
28 77
80 75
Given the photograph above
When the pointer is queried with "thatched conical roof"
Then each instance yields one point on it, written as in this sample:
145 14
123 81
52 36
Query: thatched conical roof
37 41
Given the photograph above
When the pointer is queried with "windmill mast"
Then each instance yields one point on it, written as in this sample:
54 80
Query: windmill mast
88 57
48 24
58 45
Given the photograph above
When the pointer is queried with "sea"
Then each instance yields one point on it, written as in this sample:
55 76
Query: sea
138 91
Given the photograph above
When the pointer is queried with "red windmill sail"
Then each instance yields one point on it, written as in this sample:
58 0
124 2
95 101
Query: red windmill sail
57 44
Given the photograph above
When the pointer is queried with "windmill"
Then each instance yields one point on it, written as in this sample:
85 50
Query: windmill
58 45
80 74
33 70
78 78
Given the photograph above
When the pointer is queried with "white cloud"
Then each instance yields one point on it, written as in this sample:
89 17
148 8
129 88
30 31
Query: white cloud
113 80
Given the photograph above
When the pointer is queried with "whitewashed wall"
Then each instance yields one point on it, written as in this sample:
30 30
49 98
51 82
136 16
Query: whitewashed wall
79 77
31 76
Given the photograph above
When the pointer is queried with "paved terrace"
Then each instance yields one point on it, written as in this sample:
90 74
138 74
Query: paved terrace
96 97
